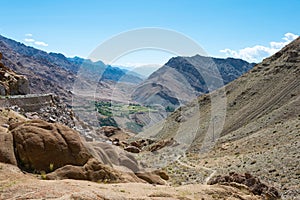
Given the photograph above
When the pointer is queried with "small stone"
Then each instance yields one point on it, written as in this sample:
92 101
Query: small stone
5 125
132 149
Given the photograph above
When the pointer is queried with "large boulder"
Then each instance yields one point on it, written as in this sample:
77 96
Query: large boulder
6 139
6 148
93 170
150 177
253 184
61 152
113 156
39 145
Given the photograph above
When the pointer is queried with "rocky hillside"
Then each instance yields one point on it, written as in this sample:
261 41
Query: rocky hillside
183 78
261 130
11 83
59 152
35 155
53 72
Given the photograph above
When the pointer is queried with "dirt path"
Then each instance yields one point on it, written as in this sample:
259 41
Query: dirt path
191 166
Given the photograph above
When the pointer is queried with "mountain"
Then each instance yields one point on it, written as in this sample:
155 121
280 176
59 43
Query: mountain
53 72
256 131
144 70
183 78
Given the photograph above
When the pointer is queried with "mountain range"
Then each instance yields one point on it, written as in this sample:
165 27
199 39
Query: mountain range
174 83
183 78
53 72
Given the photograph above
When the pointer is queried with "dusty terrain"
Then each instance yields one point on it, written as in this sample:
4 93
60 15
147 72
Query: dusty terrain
259 132
16 185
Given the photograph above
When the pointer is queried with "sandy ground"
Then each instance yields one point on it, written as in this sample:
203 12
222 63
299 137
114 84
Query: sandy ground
14 184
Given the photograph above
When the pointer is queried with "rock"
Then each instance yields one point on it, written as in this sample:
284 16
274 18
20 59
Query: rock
253 183
116 142
129 163
150 177
39 144
5 125
161 144
132 149
52 119
7 154
6 148
162 174
93 170
109 131
137 144
68 172
2 90
12 83
113 156
22 85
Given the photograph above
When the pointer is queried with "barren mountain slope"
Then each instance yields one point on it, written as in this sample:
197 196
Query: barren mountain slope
261 133
54 73
182 79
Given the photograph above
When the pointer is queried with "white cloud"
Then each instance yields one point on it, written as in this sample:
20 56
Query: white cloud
28 35
30 40
258 52
39 43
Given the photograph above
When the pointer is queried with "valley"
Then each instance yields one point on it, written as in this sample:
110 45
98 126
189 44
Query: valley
87 130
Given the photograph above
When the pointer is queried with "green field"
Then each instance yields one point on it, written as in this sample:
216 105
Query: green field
109 110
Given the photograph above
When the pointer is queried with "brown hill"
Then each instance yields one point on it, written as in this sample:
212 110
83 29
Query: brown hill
260 132
182 79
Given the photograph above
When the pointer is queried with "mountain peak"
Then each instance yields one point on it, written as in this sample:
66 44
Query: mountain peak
182 78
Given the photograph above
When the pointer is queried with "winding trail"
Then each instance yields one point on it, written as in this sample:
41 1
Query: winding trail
197 167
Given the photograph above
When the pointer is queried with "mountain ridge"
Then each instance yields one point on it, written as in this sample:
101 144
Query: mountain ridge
182 78
261 129
53 72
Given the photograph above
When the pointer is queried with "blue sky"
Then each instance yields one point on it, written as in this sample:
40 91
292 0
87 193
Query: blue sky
249 29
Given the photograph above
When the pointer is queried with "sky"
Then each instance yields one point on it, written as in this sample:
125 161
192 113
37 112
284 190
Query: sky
247 29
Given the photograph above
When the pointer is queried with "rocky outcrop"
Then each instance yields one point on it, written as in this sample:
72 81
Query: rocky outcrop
132 149
161 144
11 83
58 151
6 139
53 110
150 177
93 170
39 144
109 131
253 183
6 149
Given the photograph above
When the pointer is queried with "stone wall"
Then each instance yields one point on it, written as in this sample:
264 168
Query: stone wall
29 103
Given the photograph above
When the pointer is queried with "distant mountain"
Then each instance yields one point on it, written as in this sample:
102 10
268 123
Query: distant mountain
53 72
183 78
143 71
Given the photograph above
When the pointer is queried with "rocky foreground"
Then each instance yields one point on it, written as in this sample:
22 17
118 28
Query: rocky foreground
38 159
17 185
